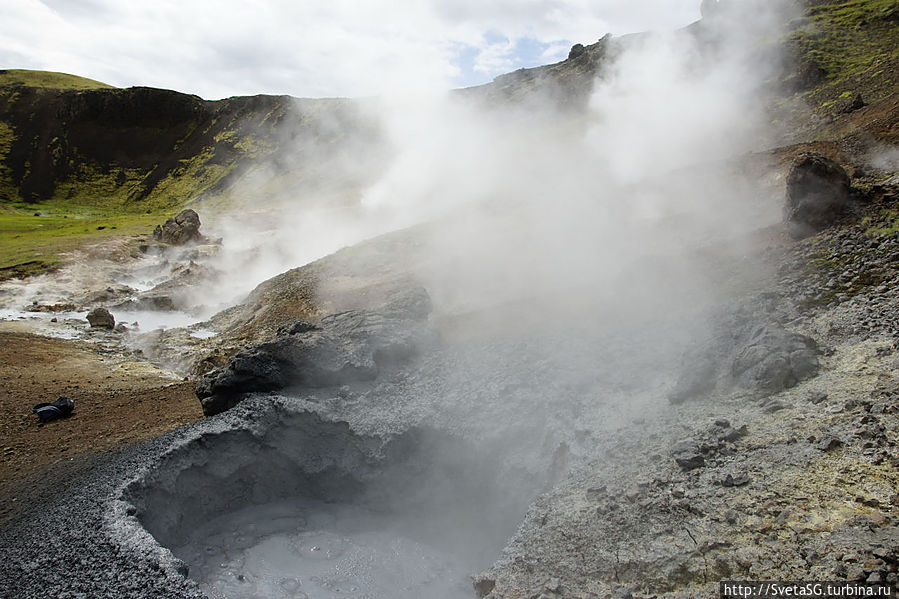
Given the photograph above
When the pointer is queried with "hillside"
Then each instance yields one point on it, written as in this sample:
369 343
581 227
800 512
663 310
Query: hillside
48 80
78 163
94 160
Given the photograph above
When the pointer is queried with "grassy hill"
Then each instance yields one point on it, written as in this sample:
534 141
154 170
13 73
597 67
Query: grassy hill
48 80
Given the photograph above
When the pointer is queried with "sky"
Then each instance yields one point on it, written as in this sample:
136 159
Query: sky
312 48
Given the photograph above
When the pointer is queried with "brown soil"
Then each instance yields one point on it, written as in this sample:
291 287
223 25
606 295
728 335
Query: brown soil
117 402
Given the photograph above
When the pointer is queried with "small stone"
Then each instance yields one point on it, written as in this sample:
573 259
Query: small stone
722 423
827 443
735 481
678 492
817 397
554 585
730 435
874 578
690 461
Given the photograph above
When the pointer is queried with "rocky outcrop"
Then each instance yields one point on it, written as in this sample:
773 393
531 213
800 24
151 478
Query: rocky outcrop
818 193
774 359
347 347
183 228
762 358
576 50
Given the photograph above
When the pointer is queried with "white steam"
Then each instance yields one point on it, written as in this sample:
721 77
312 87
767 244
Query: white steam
608 203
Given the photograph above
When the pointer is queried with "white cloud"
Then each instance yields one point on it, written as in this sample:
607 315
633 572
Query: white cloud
305 48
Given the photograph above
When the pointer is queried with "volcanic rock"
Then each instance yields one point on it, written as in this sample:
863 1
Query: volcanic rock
687 455
576 50
100 318
818 193
773 359
763 358
179 230
348 347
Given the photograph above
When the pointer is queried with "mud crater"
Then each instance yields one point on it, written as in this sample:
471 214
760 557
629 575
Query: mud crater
300 507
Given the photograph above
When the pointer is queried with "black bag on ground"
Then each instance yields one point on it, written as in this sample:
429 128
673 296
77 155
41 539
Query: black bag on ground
61 408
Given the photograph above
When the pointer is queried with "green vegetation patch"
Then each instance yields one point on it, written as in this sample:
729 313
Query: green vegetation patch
32 244
887 224
49 80
849 40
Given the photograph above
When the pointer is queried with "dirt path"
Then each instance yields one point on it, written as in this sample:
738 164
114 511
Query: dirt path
116 403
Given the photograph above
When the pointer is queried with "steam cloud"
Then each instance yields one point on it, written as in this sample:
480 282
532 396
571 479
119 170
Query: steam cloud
534 202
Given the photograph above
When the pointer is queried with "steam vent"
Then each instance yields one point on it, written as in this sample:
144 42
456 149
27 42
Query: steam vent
620 325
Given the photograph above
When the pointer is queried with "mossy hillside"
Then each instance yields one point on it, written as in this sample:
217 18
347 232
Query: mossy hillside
48 79
855 44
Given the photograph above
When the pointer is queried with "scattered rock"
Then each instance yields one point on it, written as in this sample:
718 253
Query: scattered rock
687 455
817 397
827 443
730 434
735 481
100 318
179 230
818 193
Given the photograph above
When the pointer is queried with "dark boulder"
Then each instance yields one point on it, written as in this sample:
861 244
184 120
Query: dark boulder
100 318
856 103
818 193
349 347
576 50
182 229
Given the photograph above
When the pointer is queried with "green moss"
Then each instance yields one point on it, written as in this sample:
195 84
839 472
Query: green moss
888 224
848 39
48 79
7 188
190 181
